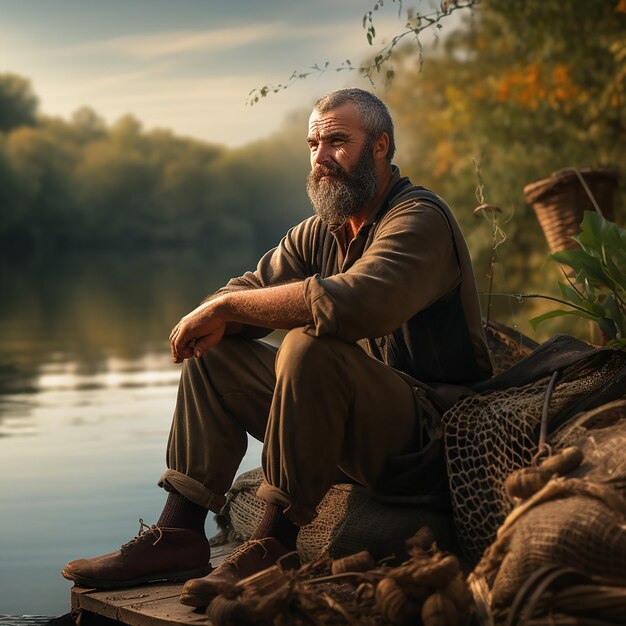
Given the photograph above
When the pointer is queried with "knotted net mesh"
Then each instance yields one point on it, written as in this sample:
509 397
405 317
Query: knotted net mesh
490 435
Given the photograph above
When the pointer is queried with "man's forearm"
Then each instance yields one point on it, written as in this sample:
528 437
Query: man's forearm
282 307
272 307
232 328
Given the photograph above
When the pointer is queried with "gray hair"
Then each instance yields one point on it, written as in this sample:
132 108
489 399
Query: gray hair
373 111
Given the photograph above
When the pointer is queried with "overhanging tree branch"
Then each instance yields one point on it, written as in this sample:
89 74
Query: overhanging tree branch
416 23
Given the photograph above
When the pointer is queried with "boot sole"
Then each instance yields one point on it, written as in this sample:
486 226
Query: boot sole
196 600
204 597
178 576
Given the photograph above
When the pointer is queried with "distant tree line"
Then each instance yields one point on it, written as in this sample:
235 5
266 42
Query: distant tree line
83 184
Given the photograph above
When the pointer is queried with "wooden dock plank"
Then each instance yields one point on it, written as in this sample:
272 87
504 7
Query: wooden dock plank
164 612
155 604
108 602
136 595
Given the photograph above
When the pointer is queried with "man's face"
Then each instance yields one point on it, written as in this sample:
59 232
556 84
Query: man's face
343 173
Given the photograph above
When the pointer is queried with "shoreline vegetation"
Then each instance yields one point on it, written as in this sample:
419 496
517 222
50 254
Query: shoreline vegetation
83 185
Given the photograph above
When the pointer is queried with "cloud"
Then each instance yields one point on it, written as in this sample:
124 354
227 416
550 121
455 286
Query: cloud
334 38
167 44
119 80
211 109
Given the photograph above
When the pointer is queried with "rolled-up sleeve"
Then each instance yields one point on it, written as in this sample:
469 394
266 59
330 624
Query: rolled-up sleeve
410 264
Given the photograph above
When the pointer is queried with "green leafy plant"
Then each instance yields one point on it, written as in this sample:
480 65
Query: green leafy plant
598 290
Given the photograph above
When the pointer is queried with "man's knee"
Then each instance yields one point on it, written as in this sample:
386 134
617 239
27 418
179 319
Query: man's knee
214 358
300 350
231 360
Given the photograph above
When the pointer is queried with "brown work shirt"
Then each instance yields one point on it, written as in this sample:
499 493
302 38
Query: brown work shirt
403 287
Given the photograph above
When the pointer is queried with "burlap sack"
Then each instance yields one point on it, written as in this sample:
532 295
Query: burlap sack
348 520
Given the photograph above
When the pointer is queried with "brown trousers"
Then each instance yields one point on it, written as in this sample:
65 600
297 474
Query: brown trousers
316 404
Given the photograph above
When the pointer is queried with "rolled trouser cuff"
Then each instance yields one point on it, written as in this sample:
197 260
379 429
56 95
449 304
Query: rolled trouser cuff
298 514
192 490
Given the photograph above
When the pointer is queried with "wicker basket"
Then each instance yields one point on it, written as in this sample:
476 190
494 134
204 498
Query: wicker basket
560 200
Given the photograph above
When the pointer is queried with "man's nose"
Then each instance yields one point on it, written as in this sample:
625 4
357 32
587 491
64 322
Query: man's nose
322 155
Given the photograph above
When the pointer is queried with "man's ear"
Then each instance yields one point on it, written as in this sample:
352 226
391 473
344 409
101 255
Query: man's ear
381 147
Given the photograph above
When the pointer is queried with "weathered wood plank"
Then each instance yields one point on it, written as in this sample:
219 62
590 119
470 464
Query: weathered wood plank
164 612
108 603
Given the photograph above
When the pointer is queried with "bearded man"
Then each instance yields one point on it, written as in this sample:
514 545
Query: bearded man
379 297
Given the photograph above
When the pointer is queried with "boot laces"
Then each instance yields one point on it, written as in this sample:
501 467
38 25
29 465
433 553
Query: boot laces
145 533
248 546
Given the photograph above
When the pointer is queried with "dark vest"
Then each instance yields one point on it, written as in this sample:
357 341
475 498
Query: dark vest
435 345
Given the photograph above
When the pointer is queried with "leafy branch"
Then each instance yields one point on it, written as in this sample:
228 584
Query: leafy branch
416 23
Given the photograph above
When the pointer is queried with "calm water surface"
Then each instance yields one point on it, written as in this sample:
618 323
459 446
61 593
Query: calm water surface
87 392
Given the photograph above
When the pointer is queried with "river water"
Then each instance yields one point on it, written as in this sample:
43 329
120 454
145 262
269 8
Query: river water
87 391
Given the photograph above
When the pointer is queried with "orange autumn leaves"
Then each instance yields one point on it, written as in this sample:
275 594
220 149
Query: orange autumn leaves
530 86
527 86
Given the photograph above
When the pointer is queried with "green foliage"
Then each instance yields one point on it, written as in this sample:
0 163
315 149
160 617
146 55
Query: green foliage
599 290
18 103
82 184
526 88
38 171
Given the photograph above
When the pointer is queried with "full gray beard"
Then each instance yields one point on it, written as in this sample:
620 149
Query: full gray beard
345 194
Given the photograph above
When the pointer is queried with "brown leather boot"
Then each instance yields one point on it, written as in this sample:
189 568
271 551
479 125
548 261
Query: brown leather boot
250 558
172 554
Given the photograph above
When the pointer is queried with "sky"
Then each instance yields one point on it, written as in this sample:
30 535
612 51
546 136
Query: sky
188 65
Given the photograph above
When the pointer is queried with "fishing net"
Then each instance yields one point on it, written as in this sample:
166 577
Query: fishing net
490 435
348 520
601 435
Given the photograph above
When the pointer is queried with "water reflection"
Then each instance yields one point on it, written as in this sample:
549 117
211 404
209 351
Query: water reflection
91 319
87 391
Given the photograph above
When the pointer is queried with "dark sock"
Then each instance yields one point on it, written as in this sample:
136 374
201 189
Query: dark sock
275 523
179 512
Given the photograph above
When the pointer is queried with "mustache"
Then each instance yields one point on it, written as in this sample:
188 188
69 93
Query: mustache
331 169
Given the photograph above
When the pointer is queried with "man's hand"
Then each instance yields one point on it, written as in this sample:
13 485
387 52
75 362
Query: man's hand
196 332
282 306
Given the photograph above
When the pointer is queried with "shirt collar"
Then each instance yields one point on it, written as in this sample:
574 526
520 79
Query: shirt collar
395 177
